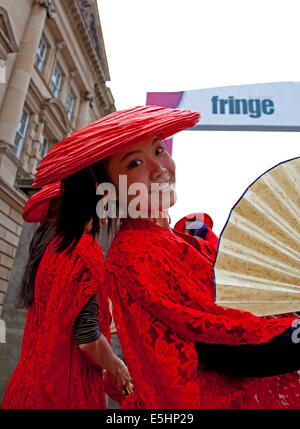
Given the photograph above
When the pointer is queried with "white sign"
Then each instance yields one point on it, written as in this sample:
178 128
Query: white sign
262 107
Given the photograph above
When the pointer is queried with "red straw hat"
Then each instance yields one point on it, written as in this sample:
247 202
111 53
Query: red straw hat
37 207
109 135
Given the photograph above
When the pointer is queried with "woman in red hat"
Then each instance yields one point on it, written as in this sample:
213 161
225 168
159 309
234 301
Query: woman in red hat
65 348
161 285
182 350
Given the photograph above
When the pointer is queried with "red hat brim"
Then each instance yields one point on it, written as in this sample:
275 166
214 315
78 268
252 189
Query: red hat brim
109 135
37 207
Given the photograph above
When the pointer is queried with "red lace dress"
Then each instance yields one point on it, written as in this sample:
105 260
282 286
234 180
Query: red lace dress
162 290
52 372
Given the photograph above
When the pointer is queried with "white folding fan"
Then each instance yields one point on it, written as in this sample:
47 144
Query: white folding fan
257 267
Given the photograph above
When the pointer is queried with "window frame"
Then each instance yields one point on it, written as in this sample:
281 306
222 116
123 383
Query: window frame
68 110
45 140
42 57
57 88
19 146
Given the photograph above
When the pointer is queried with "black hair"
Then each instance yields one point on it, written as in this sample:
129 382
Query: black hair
66 220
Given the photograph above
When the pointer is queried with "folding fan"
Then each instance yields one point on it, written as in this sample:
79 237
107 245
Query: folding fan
257 267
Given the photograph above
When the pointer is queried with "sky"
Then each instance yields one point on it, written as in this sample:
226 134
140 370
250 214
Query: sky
171 45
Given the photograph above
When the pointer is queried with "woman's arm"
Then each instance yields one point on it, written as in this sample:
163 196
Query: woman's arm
86 327
95 346
100 353
184 304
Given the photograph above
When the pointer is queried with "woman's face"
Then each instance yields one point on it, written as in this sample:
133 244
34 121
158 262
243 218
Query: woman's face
149 164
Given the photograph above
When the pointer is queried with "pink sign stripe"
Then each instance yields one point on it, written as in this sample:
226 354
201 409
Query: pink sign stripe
164 99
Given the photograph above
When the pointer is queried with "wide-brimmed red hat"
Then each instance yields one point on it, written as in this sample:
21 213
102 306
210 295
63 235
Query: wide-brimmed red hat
109 135
37 207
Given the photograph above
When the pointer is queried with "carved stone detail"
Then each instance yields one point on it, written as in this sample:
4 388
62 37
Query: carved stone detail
50 7
83 17
88 14
7 39
88 96
60 45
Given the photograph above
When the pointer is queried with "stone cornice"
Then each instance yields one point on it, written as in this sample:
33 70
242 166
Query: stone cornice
72 9
5 148
17 197
26 186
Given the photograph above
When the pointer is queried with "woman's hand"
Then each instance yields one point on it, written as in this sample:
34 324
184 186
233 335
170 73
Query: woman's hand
101 354
115 393
119 374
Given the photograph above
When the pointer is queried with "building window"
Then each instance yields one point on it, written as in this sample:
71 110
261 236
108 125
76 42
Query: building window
41 54
56 81
21 132
70 105
44 148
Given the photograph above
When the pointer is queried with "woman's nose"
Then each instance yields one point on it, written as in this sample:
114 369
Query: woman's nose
157 169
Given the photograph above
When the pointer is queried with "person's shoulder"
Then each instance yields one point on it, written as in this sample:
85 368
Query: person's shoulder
90 253
123 244
130 245
135 239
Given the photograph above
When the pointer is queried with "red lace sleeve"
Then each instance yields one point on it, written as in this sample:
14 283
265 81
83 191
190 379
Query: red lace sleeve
180 297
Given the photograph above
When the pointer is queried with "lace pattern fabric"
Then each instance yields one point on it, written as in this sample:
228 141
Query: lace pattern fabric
162 291
52 372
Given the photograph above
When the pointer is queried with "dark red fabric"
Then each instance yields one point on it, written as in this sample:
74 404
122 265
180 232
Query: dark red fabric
52 371
162 291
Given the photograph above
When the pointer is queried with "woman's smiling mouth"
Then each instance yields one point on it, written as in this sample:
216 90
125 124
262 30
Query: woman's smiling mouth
162 186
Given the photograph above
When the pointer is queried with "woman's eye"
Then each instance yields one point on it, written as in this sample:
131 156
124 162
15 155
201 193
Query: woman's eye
162 149
133 164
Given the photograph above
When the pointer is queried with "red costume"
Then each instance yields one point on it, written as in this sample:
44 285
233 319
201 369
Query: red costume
52 371
208 235
162 290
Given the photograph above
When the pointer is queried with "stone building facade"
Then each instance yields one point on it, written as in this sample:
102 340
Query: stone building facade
53 74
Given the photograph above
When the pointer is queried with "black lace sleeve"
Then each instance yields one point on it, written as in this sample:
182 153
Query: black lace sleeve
279 356
86 327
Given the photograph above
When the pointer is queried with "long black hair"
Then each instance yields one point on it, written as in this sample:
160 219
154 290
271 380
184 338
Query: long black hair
66 219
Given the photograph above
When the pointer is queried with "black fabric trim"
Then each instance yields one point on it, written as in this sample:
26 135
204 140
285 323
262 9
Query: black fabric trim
279 356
